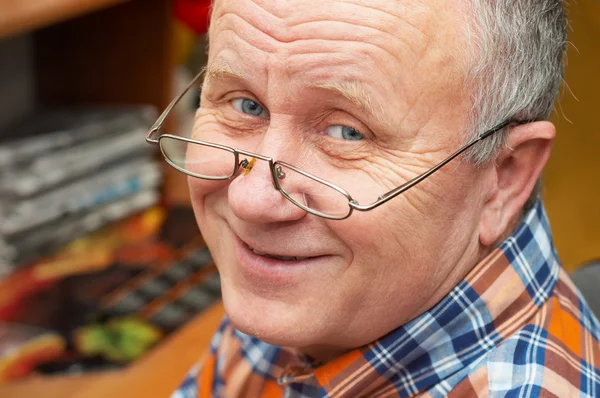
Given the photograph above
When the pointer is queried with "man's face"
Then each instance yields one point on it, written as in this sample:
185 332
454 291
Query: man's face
365 94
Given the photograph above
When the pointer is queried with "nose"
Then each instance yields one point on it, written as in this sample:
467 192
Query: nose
253 198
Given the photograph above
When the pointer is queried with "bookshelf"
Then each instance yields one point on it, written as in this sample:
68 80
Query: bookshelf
94 52
104 52
122 53
83 53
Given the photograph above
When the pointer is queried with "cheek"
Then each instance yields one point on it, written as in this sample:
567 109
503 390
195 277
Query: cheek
380 234
207 195
410 232
392 260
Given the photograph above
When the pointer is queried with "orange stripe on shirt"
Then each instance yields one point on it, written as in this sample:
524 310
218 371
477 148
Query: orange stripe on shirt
205 377
327 372
272 390
565 328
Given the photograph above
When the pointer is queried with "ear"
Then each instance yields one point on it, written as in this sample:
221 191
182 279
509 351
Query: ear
514 175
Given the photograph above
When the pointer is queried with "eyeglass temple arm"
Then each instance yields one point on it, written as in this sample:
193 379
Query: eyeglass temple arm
157 126
409 184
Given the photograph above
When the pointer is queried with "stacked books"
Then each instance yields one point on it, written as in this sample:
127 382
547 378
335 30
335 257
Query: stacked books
66 172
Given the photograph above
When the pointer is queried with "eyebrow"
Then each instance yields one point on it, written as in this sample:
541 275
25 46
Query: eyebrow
355 92
221 71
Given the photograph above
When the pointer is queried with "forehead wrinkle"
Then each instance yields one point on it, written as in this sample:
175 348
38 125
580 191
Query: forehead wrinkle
354 92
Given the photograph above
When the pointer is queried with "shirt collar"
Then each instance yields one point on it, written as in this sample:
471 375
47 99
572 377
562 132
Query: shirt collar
498 296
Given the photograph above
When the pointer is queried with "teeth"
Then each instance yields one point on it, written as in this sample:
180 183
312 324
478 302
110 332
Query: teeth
282 258
259 253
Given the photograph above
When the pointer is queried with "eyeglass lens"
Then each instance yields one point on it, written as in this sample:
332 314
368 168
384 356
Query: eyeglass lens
310 193
209 162
199 160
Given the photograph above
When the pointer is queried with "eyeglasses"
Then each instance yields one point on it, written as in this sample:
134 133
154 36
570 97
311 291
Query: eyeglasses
210 161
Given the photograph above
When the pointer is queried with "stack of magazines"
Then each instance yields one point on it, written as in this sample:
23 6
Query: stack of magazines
66 172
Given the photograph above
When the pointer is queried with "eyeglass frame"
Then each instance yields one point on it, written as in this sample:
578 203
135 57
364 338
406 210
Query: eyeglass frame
155 135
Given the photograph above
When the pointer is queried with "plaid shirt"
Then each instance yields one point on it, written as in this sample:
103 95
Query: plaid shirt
515 326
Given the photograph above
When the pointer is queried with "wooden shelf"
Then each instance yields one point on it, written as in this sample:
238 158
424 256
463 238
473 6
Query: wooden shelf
19 16
106 52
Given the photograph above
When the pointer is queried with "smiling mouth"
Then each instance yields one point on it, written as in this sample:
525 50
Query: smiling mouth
281 258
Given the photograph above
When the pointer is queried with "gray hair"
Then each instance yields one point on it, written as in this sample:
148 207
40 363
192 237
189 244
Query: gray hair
515 67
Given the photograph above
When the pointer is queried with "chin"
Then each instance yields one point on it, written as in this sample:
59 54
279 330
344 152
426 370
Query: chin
271 321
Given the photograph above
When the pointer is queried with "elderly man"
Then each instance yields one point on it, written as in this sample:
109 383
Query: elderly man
365 175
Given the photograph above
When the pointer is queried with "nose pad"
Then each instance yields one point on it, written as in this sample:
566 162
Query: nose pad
279 173
299 197
247 165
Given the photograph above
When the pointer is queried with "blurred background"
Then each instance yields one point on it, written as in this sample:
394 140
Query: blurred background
106 286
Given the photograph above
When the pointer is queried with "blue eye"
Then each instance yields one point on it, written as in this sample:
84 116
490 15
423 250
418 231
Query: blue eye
249 107
345 133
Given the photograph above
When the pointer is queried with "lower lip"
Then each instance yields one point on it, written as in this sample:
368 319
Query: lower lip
272 268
